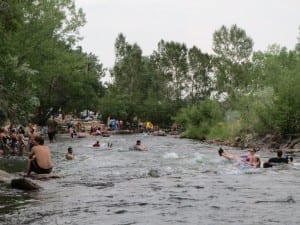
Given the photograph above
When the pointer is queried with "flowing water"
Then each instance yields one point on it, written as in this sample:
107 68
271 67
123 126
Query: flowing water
178 181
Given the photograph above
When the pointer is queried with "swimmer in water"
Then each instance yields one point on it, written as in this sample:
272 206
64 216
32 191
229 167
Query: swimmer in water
97 144
251 159
70 154
139 147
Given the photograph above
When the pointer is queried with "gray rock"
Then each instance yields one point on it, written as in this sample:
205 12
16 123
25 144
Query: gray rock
24 184
153 173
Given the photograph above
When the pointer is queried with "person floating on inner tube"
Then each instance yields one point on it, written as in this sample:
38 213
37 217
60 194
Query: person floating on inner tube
250 160
277 160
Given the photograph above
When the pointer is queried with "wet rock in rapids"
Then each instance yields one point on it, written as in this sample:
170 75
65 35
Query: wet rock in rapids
24 184
153 173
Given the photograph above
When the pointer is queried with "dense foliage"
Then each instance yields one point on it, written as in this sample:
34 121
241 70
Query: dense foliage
42 70
234 91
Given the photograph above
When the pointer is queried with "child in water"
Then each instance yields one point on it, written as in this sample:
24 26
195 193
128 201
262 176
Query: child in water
69 154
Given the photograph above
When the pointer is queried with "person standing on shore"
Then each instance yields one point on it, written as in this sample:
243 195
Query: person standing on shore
31 135
21 140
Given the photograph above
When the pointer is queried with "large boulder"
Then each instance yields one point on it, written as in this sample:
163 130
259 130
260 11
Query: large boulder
24 184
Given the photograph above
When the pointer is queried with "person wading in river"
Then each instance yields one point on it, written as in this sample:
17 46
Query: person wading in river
39 160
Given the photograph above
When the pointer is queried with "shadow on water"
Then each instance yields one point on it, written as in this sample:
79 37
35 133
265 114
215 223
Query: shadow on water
178 181
11 201
13 164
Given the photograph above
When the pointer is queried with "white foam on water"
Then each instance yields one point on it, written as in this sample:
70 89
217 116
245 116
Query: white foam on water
170 155
295 165
199 157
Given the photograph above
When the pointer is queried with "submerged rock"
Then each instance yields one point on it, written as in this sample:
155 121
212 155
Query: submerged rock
24 184
153 173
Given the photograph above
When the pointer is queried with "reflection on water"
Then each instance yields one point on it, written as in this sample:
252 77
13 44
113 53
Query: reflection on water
177 181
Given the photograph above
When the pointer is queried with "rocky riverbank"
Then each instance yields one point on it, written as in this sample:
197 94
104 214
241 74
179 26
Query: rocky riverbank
270 142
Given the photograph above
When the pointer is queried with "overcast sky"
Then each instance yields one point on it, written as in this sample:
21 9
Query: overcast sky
192 22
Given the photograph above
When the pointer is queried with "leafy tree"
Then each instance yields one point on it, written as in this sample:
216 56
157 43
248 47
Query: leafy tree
200 66
171 61
233 49
198 120
278 71
42 70
128 69
129 82
114 105
65 77
157 105
16 101
138 89
286 112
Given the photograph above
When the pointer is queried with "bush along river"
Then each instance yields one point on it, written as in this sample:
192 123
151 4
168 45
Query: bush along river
177 181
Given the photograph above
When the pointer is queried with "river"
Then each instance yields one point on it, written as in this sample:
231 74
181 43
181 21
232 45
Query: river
178 181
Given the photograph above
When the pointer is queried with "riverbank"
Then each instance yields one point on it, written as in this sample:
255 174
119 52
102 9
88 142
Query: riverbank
270 142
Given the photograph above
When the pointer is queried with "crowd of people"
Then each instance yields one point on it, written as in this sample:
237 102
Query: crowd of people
14 141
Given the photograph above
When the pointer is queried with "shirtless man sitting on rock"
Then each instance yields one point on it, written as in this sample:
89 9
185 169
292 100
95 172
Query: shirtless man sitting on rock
39 160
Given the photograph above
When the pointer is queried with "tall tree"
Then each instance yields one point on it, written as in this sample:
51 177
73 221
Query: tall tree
47 65
16 101
278 70
128 69
233 49
171 60
200 67
128 78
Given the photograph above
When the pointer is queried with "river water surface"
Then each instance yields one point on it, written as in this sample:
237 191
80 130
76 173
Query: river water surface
178 181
